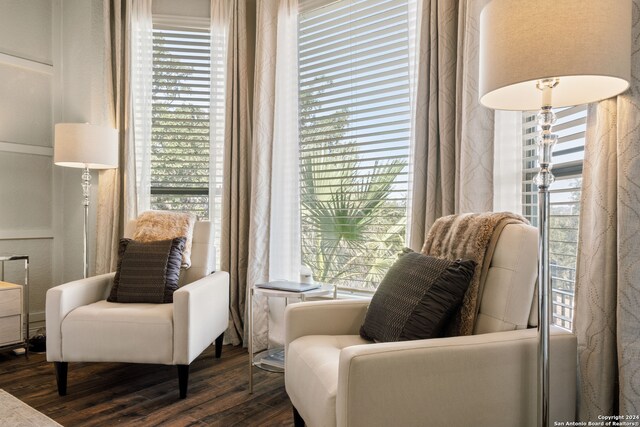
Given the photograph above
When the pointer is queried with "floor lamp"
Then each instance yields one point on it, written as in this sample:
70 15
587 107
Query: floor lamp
81 145
544 53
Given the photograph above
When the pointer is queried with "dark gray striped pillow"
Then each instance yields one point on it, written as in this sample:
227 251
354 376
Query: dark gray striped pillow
147 272
416 298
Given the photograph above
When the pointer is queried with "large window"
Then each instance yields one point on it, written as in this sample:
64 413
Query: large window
565 202
354 137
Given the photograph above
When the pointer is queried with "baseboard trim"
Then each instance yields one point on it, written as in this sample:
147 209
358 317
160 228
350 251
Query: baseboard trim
36 321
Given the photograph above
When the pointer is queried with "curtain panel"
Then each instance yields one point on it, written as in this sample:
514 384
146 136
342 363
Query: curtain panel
607 296
229 27
274 234
117 188
452 139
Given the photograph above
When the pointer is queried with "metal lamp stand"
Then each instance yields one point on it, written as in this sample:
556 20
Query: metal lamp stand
544 178
86 190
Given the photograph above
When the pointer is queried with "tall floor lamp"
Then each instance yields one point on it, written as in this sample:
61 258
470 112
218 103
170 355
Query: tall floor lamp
81 145
544 53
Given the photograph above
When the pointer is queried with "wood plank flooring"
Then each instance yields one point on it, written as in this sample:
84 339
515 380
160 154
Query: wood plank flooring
119 394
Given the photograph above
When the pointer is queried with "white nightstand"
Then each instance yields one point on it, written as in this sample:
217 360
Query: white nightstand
275 354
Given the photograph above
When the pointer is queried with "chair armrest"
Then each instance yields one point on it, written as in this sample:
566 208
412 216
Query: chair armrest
334 317
488 379
200 315
63 299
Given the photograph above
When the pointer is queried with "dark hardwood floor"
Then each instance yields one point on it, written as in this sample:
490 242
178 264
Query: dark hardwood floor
117 394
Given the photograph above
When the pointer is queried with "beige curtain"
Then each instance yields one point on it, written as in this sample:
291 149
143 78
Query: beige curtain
234 238
452 143
124 20
110 187
607 306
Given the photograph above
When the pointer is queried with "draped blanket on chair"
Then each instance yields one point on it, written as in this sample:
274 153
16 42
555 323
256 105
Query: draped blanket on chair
468 236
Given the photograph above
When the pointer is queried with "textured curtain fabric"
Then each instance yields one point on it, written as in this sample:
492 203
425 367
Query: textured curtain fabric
114 183
452 141
607 320
274 238
229 27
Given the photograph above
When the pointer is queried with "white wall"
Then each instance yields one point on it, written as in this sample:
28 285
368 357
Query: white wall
27 191
190 8
51 71
82 99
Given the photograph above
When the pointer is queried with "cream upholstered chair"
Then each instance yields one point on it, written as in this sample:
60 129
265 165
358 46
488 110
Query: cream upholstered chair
336 378
83 327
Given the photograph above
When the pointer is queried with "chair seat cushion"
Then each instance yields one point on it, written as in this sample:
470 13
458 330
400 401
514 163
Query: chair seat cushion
312 375
115 332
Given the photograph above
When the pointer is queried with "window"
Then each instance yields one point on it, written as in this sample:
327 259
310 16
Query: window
565 201
180 127
354 112
186 156
180 141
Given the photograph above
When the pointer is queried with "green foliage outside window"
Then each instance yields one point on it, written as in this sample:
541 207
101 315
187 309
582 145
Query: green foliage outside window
180 141
351 226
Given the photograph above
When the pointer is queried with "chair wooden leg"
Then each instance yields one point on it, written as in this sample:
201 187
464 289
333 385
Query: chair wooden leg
183 379
61 377
297 419
219 345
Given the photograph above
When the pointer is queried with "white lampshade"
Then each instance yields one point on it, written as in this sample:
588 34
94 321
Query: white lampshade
586 44
81 145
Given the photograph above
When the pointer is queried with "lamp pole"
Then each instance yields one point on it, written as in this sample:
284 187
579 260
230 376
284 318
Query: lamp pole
546 141
86 190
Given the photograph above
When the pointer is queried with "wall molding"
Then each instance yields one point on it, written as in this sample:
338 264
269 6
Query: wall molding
29 64
34 234
37 150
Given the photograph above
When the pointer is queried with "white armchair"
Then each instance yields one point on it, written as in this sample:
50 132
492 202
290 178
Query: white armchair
83 327
335 378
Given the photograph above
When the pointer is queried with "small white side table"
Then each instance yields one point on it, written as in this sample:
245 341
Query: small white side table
278 352
24 298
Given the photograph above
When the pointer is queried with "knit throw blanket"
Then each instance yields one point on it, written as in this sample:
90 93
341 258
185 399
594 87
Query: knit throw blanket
468 236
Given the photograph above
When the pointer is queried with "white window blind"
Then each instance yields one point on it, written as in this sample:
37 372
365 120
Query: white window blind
565 201
354 137
188 114
186 158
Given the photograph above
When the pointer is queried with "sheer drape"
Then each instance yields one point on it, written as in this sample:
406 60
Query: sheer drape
274 237
507 169
452 141
142 85
126 22
608 274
